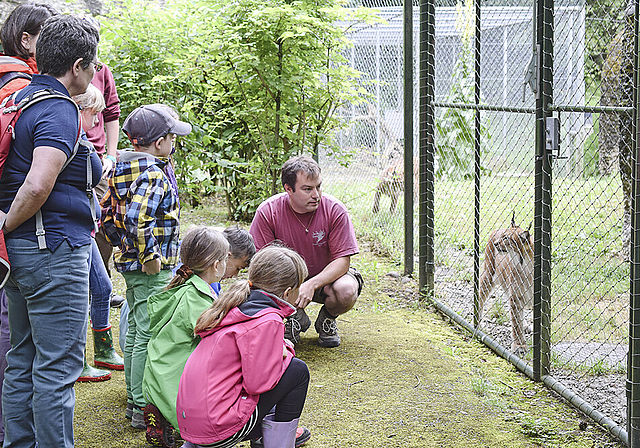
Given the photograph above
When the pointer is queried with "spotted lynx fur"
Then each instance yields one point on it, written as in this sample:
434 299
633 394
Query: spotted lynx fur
508 262
392 183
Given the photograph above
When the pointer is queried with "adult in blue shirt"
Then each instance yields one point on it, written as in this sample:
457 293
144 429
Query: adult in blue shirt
48 288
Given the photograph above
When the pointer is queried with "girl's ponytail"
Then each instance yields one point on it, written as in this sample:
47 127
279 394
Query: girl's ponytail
230 298
274 269
201 247
183 273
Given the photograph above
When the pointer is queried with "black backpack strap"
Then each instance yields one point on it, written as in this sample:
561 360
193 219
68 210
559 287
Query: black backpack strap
8 77
89 187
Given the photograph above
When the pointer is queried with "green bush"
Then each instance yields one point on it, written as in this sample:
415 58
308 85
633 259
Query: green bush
259 80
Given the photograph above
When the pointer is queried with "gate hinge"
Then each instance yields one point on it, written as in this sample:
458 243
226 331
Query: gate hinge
531 76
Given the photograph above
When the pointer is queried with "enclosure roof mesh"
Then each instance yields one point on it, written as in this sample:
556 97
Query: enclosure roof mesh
491 17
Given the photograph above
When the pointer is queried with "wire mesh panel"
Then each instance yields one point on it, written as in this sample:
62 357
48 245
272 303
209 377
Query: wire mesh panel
506 156
374 132
372 183
591 225
587 325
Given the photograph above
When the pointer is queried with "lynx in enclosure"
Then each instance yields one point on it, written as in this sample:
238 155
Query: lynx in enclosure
392 183
508 262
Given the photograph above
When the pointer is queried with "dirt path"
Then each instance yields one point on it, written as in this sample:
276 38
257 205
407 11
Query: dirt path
402 377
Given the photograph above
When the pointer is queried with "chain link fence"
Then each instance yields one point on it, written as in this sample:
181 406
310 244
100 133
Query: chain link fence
502 234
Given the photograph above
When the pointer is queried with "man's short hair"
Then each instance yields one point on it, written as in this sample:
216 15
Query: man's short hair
241 243
26 18
63 40
295 165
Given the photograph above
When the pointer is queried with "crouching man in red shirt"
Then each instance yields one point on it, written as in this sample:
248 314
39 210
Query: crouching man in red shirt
318 227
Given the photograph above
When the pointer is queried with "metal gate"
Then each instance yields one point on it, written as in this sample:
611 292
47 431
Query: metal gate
527 146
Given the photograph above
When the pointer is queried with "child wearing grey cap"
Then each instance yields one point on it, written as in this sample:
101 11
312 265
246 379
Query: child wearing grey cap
140 219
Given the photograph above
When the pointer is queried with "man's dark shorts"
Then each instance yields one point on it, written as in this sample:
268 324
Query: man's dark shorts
320 296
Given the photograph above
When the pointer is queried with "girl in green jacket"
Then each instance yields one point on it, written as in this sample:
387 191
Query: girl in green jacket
172 317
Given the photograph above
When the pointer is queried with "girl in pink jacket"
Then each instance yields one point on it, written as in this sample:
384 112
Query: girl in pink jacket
243 381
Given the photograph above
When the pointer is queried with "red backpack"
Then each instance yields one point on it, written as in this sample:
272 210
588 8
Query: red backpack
11 69
9 114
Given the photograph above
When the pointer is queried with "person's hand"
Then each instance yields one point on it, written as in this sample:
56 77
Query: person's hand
305 295
284 351
152 267
107 166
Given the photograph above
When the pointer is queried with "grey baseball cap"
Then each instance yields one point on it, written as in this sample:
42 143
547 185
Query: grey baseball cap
148 123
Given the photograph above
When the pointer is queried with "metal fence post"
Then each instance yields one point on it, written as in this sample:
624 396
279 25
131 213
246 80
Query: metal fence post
633 356
477 162
427 145
542 230
408 137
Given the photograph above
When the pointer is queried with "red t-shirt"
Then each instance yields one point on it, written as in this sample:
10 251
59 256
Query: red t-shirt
330 235
103 80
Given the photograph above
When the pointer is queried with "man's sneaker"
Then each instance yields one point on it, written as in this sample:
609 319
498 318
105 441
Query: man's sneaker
327 329
159 430
295 324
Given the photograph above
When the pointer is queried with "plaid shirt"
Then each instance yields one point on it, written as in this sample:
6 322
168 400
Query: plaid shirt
140 214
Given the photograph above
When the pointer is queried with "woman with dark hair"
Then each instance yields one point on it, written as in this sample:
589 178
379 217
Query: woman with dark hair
48 287
19 35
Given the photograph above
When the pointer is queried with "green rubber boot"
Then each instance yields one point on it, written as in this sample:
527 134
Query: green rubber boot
105 355
92 374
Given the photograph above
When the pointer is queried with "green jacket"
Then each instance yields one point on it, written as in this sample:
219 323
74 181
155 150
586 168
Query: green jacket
172 318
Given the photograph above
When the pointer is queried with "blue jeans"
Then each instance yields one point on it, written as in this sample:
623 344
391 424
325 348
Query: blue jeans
48 298
100 287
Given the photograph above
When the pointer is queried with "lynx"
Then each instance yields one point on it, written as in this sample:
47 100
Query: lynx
508 262
392 183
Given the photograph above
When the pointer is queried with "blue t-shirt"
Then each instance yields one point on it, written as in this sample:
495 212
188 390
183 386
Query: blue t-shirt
53 122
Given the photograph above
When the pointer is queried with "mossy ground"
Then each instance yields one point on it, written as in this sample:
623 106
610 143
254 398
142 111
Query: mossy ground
402 377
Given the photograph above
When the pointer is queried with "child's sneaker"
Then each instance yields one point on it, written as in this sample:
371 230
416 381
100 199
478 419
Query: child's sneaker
137 418
295 324
159 430
327 329
302 436
128 413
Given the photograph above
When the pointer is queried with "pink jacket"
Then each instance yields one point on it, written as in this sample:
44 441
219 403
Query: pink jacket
234 363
